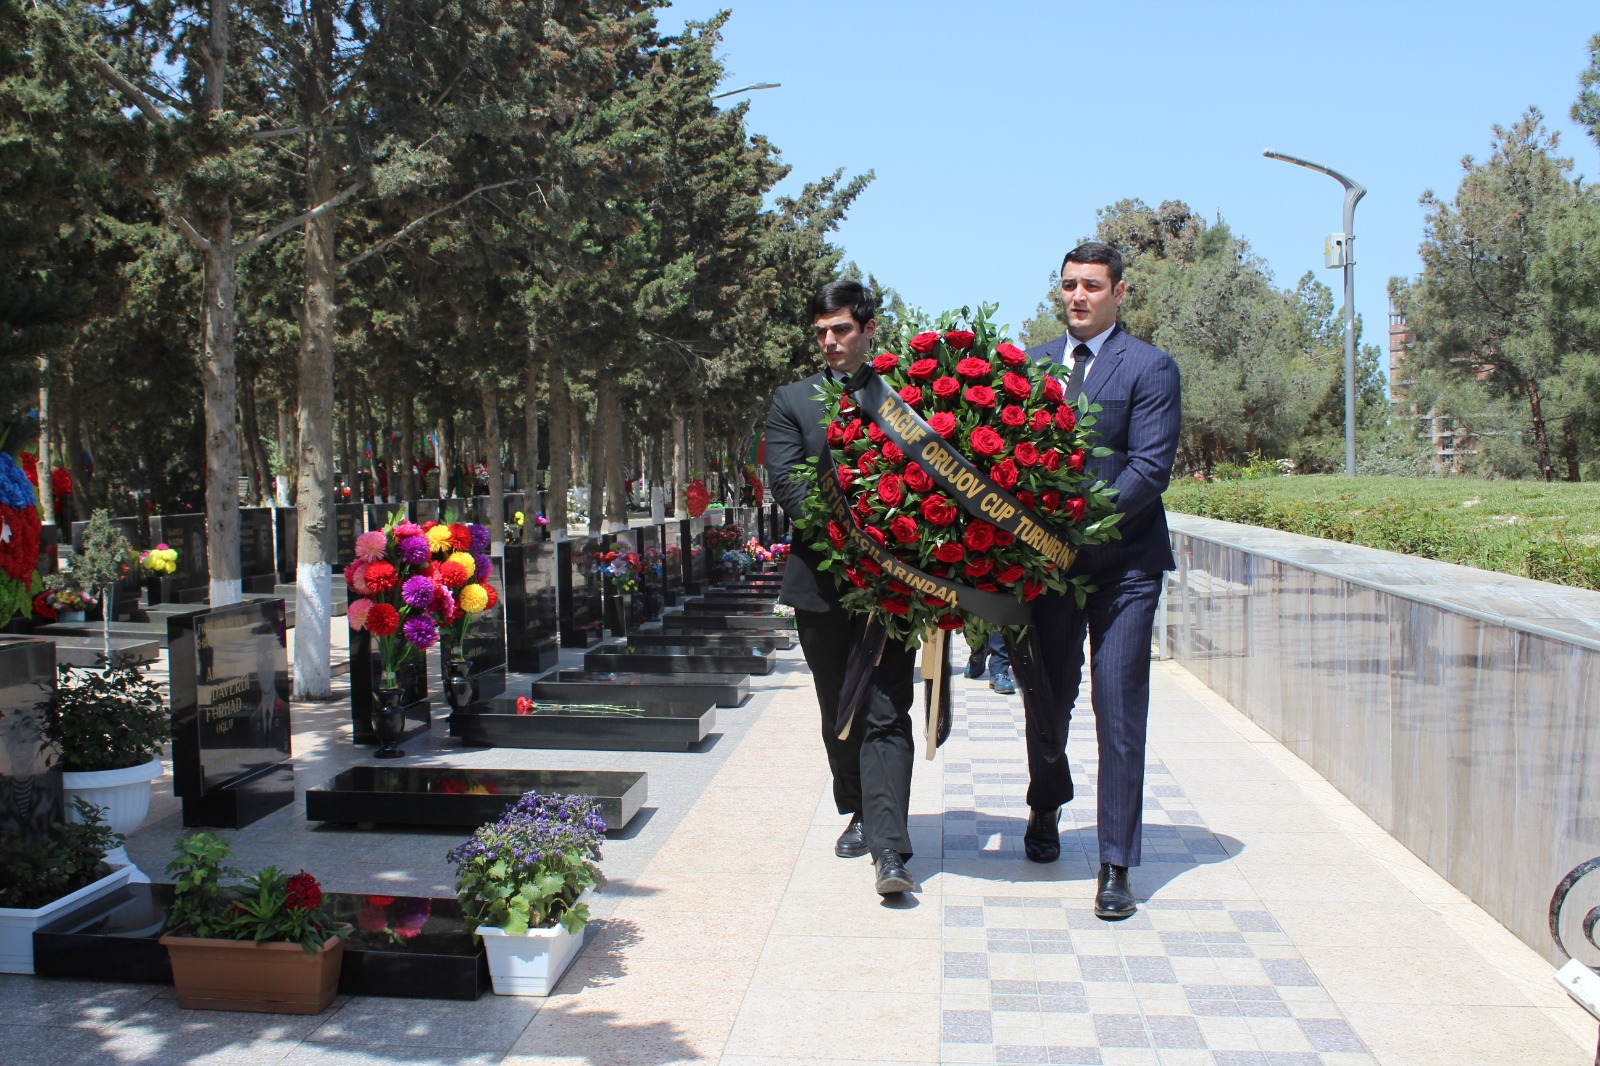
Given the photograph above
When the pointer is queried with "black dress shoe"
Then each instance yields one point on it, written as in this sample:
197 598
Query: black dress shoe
1042 839
852 843
892 874
1113 899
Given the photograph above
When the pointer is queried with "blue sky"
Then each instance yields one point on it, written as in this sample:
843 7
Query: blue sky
997 130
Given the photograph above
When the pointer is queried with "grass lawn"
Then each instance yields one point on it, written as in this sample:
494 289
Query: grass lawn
1546 531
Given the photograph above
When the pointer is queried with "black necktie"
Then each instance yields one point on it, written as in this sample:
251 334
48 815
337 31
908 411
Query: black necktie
1080 366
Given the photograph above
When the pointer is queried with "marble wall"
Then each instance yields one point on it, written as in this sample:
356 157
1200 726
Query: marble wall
1458 707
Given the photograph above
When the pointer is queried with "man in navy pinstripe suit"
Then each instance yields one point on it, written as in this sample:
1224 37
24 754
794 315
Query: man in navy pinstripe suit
1136 387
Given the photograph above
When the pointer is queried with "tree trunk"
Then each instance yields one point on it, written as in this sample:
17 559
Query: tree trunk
595 453
1541 432
47 502
608 416
288 453
408 455
680 462
497 499
1569 450
84 486
530 481
260 469
218 377
697 441
560 451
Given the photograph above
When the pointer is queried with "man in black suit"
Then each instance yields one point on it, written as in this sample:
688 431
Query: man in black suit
1136 386
872 765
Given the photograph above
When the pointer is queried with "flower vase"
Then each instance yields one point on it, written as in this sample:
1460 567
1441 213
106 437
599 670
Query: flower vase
389 721
460 687
621 609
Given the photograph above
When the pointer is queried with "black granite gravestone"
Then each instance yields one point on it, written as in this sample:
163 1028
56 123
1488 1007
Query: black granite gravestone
426 510
478 510
229 685
50 547
578 591
378 514
128 588
366 671
764 639
191 582
696 563
662 727
258 562
349 522
676 659
651 571
455 509
532 621
695 622
287 523
672 589
640 690
464 796
484 644
30 792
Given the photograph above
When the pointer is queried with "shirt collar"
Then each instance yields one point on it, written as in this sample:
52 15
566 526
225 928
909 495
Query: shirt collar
1094 343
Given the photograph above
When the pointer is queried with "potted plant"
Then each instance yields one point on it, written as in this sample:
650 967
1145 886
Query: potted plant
107 727
43 880
264 944
525 879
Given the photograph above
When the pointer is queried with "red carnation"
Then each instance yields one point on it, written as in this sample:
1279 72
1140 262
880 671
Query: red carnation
904 528
1004 473
847 477
896 606
959 339
943 423
892 453
950 622
1031 590
1075 461
973 368
923 343
1011 415
912 395
1016 385
939 511
946 387
885 362
1053 392
380 576
917 479
302 893
949 553
1009 574
891 490
1050 459
1072 505
835 435
1026 453
986 441
923 369
383 620
1039 421
1065 418
979 537
1010 354
460 537
978 567
979 396
835 535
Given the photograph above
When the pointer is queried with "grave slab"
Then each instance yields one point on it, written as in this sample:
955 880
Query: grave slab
667 727
638 690
86 651
697 621
763 640
452 796
676 659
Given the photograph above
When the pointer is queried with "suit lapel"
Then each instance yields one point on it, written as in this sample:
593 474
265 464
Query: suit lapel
1055 350
1105 364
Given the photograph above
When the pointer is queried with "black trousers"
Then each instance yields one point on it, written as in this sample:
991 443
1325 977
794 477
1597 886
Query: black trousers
872 766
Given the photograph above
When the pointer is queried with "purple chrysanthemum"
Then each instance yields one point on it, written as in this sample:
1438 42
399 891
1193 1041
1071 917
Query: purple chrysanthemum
414 550
480 538
480 567
420 632
418 591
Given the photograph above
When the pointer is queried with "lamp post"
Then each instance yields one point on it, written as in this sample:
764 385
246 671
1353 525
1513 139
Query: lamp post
1340 252
748 89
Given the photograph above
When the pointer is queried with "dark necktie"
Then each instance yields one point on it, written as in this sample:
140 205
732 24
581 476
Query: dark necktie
1080 367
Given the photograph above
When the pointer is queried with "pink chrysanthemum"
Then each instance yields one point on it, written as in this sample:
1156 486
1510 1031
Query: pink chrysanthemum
356 613
371 545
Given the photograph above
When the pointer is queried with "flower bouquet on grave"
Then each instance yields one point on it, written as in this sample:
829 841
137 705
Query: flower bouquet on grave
952 495
621 569
397 920
19 538
696 497
158 561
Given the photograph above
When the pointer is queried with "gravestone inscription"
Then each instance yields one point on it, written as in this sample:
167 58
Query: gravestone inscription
349 522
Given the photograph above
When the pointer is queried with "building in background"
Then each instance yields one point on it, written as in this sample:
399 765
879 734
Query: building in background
1448 439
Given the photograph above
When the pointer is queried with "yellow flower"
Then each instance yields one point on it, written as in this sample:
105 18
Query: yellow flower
438 538
472 598
466 562
519 518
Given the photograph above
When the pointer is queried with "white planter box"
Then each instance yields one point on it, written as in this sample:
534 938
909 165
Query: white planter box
123 795
17 925
530 964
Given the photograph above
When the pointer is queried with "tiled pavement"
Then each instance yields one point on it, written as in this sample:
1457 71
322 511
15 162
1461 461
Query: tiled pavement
1280 926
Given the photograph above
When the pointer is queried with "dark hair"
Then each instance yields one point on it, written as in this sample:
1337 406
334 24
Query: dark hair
1096 252
849 296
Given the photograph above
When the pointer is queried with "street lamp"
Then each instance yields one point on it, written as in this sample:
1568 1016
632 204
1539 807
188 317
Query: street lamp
748 89
1339 251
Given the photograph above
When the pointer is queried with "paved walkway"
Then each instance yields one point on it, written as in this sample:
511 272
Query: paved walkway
1282 928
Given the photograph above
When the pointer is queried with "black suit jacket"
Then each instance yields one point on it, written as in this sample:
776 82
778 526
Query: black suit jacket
1136 385
795 432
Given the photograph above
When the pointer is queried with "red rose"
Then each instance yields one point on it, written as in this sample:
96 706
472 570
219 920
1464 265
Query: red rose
935 602
1009 574
852 432
1065 418
917 479
896 606
835 535
892 453
1004 473
1053 392
979 396
1026 453
959 339
1004 538
1012 415
973 368
383 620
1050 459
950 622
835 435
874 434
944 388
897 587
847 477
846 405
904 528
1075 461
864 505
380 576
912 394
986 441
890 490
939 511
943 423
885 362
923 343
949 553
923 369
1039 421
1025 498
1010 354
1031 590
868 460
1050 502
1073 505
1016 385
876 534
979 537
978 567
855 577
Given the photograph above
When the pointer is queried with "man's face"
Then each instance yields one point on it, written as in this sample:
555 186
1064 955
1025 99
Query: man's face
1090 300
844 344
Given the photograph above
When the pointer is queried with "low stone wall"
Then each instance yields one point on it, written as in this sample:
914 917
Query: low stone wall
1459 708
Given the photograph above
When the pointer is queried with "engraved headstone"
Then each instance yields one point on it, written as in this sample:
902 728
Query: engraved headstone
287 521
578 591
696 564
229 685
191 582
426 510
672 589
532 620
30 792
349 522
258 562
125 594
